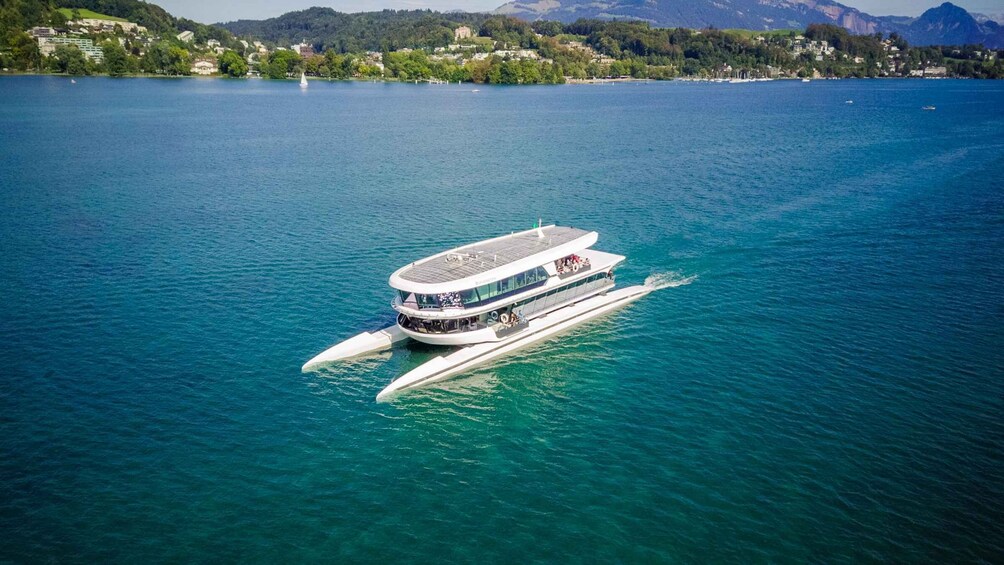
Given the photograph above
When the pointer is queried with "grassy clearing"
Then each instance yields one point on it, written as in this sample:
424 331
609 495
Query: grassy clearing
87 14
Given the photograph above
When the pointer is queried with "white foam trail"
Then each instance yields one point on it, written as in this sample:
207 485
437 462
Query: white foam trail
671 279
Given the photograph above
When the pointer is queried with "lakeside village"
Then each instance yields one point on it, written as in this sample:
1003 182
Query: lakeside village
509 52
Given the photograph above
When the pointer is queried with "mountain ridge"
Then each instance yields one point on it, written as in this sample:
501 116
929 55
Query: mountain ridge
946 24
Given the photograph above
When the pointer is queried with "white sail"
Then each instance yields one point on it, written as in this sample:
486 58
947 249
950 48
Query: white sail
303 80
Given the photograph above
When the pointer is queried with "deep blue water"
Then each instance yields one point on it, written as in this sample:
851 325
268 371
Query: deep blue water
825 382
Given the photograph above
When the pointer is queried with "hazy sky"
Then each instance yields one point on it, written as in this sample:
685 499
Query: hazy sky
211 11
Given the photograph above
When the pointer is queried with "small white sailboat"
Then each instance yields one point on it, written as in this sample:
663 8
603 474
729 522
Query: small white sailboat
806 80
303 80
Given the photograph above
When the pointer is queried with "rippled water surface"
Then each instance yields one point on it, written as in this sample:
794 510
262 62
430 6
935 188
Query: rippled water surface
821 379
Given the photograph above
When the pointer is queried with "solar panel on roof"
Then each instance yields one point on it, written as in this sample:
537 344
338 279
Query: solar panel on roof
478 258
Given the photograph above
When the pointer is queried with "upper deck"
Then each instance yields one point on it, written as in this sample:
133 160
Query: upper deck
486 261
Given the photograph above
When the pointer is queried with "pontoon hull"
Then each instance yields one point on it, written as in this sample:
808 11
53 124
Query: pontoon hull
367 342
450 339
444 367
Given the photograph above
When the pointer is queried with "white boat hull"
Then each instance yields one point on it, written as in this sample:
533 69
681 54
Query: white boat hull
367 342
444 367
452 339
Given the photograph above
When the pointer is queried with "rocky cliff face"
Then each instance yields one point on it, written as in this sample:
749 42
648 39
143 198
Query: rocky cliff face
984 18
850 18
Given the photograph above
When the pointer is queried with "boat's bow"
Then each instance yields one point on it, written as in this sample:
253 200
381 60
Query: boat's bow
367 342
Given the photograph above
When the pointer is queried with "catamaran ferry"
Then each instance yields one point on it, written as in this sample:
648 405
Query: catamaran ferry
491 298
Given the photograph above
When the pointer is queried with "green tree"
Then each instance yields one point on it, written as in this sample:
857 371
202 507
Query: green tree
281 64
495 70
548 27
557 75
369 71
339 66
509 31
531 72
24 53
180 61
57 19
70 60
164 58
233 64
312 65
512 73
157 58
478 70
408 65
117 60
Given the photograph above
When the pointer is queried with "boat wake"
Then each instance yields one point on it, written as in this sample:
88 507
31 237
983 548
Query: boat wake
671 279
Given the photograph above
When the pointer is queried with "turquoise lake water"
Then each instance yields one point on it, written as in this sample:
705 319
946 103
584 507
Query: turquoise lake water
822 380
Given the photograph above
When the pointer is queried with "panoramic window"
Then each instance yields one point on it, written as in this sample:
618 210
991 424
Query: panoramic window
481 294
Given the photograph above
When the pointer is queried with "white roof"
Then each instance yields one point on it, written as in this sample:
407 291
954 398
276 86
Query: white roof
487 261
600 261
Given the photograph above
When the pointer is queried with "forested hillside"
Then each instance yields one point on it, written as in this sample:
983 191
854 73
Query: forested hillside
157 50
19 50
387 30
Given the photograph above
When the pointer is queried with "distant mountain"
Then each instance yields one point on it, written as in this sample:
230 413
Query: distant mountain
746 14
947 24
983 18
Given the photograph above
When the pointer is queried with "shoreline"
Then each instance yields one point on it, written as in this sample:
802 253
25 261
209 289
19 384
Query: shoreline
569 81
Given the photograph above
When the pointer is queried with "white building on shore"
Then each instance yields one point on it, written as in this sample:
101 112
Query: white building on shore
47 46
203 67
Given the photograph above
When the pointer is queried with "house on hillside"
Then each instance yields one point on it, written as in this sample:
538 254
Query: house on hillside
37 32
186 36
203 67
47 46
100 24
518 54
374 59
304 49
462 32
